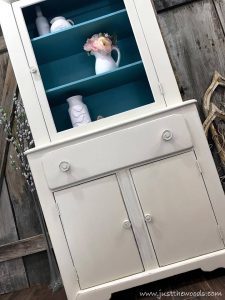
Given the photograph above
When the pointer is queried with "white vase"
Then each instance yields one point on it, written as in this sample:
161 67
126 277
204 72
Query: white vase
78 111
60 23
104 62
42 24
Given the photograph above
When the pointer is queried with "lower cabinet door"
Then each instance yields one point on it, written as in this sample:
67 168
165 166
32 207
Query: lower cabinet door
177 209
98 232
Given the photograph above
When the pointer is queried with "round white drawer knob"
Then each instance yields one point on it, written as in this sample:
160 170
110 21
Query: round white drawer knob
33 70
167 135
148 218
127 224
64 166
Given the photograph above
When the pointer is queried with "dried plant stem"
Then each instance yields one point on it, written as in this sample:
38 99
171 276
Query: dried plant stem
212 112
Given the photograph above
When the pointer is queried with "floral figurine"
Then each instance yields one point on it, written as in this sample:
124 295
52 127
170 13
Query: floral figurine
101 46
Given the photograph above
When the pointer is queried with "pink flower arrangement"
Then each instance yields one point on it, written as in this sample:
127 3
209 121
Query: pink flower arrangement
101 42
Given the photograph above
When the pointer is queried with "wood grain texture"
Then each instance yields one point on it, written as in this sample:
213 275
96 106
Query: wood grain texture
220 8
2 45
7 226
22 248
4 58
26 218
36 293
12 273
194 37
22 202
37 268
25 215
8 90
3 70
165 4
195 42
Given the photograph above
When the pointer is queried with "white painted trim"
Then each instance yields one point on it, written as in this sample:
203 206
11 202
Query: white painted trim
209 171
23 75
25 3
136 217
208 262
32 63
55 228
158 51
151 71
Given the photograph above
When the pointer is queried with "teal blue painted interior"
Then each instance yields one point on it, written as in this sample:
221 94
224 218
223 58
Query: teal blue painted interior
61 117
97 83
78 11
107 103
123 98
70 41
80 66
67 70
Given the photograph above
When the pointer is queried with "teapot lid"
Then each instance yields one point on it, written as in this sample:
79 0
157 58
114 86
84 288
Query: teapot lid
57 18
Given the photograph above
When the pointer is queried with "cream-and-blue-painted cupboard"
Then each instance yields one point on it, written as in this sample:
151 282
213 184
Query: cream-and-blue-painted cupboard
132 197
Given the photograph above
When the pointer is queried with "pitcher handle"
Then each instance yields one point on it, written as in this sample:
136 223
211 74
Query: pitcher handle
114 48
70 21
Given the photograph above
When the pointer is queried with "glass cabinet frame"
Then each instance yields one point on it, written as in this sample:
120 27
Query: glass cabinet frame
153 54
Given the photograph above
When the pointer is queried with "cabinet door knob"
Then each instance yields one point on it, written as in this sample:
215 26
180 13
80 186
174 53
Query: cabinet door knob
33 70
127 224
64 166
167 135
148 218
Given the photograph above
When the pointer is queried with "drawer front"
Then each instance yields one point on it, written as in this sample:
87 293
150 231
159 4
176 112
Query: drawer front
150 140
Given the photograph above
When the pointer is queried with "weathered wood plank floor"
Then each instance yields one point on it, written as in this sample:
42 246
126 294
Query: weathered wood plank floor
192 282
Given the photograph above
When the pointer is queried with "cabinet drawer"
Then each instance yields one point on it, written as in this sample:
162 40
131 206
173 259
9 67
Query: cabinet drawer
117 150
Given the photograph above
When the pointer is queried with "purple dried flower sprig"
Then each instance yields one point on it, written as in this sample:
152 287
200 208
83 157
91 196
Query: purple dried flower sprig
19 135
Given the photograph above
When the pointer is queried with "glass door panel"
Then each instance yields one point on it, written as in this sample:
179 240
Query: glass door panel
67 70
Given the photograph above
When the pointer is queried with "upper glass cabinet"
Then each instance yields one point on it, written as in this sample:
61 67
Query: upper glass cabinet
67 70
98 50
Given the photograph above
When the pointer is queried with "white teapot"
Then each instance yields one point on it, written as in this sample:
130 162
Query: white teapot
60 23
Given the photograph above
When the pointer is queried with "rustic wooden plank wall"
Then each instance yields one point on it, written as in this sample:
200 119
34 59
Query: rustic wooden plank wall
194 34
19 227
195 40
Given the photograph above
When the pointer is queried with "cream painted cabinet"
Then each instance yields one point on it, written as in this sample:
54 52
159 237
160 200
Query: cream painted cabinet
179 214
134 195
98 231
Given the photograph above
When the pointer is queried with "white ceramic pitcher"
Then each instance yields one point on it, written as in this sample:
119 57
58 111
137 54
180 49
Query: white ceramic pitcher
104 62
60 23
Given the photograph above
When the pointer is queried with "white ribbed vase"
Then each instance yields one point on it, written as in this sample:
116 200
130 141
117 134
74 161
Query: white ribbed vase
78 111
